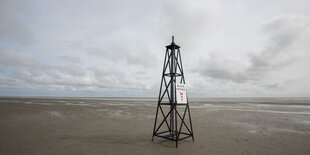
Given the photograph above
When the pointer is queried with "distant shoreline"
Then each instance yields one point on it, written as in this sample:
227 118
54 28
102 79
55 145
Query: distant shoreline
218 100
134 97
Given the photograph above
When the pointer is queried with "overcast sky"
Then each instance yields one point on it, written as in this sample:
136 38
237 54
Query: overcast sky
230 48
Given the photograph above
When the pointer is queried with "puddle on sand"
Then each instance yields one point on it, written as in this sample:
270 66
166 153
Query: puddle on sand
54 113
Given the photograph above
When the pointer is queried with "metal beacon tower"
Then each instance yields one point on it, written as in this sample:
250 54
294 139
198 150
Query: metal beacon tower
173 118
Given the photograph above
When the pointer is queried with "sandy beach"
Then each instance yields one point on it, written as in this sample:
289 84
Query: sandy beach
125 125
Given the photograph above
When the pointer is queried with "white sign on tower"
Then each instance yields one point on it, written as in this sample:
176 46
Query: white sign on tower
181 93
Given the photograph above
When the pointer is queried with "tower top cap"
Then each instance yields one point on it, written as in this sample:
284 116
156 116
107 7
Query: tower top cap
173 45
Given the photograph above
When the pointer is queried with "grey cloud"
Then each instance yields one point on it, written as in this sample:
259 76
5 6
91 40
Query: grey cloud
108 53
104 71
71 69
50 79
135 53
68 75
28 68
112 78
71 59
280 51
187 21
220 67
285 32
20 59
7 82
12 27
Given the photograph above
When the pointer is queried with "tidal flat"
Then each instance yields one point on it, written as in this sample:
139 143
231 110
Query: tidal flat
43 125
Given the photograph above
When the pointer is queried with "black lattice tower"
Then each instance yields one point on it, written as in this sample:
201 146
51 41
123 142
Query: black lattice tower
177 119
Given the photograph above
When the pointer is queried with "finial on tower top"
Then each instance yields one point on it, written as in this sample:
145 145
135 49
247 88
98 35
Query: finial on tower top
173 45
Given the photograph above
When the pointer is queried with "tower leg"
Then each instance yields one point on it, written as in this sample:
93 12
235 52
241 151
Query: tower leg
172 122
172 91
155 122
176 128
190 121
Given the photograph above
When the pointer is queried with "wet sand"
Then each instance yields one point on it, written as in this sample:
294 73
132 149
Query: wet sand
124 126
